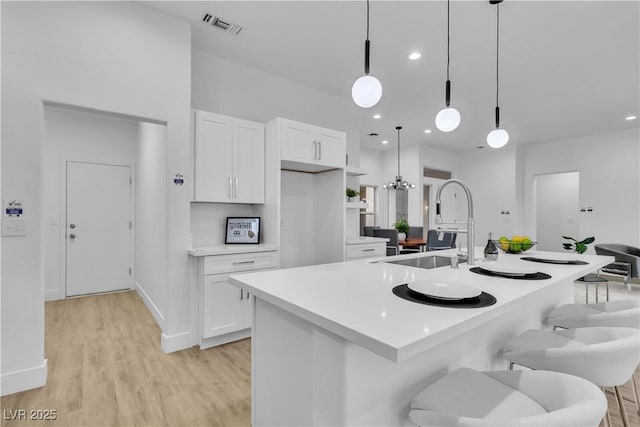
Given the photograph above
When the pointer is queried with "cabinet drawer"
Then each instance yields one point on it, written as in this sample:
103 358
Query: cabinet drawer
366 250
239 262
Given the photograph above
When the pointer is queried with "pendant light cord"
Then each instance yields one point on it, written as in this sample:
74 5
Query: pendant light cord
367 19
448 39
398 129
497 51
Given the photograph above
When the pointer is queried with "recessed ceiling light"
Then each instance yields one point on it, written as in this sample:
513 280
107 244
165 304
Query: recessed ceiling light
415 55
631 117
377 116
427 131
385 142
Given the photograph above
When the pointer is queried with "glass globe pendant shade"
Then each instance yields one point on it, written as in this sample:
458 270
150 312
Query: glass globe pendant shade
497 138
366 91
448 119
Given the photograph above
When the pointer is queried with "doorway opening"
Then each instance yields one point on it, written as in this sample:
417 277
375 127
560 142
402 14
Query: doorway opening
556 198
368 195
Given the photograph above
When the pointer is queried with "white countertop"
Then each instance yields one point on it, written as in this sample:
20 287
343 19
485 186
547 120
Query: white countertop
230 249
354 299
360 240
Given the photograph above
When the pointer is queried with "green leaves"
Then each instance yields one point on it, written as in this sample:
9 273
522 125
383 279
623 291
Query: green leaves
580 246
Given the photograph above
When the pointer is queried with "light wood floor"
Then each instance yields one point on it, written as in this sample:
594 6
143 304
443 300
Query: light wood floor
106 369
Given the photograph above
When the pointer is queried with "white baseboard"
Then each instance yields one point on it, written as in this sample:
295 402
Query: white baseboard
153 309
176 342
26 379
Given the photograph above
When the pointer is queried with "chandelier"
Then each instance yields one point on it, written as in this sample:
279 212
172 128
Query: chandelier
399 183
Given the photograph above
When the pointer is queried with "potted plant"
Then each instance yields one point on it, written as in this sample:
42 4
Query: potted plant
580 246
351 193
403 228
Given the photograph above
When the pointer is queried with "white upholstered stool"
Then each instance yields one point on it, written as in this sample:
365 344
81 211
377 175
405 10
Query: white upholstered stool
606 356
625 313
466 397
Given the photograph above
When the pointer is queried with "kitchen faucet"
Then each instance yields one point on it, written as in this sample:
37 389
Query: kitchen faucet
470 227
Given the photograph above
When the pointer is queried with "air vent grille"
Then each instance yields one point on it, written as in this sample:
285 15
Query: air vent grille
221 24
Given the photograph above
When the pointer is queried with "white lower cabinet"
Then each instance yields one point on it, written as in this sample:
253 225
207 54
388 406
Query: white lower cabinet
226 311
225 307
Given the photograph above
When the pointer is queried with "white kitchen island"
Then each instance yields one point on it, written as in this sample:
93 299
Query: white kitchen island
332 345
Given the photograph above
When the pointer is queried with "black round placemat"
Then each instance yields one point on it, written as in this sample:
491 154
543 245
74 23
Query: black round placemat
532 276
482 300
555 261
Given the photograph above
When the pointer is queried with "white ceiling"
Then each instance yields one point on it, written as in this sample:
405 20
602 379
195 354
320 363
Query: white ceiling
567 68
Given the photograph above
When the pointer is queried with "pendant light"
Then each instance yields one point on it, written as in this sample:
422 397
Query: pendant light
398 184
497 138
367 90
448 118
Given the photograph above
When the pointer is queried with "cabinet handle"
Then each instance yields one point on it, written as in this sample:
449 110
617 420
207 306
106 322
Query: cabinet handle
315 150
319 150
241 294
235 195
368 250
230 193
244 262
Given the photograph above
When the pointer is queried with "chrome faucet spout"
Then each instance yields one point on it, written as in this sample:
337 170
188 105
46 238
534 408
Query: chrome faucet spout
470 222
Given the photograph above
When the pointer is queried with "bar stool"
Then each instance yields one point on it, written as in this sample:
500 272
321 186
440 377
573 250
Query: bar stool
466 397
595 280
606 356
620 313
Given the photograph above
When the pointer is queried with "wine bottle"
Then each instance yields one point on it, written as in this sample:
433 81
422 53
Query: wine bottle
491 250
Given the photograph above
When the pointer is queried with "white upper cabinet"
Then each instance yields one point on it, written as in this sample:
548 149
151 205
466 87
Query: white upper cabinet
316 147
229 159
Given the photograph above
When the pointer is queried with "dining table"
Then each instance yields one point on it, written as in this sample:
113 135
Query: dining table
414 242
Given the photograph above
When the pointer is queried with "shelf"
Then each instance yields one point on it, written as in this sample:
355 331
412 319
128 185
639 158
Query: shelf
355 171
355 205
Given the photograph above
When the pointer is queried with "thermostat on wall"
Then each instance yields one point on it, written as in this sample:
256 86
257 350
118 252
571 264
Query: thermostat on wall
12 207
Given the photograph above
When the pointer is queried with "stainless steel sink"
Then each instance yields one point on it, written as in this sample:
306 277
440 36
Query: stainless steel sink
433 261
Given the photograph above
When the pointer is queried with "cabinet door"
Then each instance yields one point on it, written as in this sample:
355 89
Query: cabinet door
248 162
332 148
222 306
213 157
298 142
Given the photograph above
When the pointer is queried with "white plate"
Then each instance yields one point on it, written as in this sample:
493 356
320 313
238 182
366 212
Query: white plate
507 269
444 290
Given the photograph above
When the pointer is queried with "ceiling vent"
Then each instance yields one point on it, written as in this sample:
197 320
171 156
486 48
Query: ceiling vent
221 24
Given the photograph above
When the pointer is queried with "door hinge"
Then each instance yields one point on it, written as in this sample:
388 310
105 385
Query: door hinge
129 271
130 180
130 226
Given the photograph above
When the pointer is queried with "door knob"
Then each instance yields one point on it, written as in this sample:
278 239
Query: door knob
72 226
72 236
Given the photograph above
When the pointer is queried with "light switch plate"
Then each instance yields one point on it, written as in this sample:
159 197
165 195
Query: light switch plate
13 227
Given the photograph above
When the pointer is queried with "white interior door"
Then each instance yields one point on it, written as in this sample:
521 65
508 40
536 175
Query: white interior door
557 209
98 228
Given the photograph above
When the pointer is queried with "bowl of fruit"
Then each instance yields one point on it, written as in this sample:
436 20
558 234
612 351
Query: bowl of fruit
515 245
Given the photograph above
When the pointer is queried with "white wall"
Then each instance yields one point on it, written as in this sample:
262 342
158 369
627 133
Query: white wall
151 222
609 182
490 175
108 56
76 136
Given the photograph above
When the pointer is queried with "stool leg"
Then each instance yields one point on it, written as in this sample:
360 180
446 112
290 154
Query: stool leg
607 291
607 418
597 292
623 411
635 392
586 293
